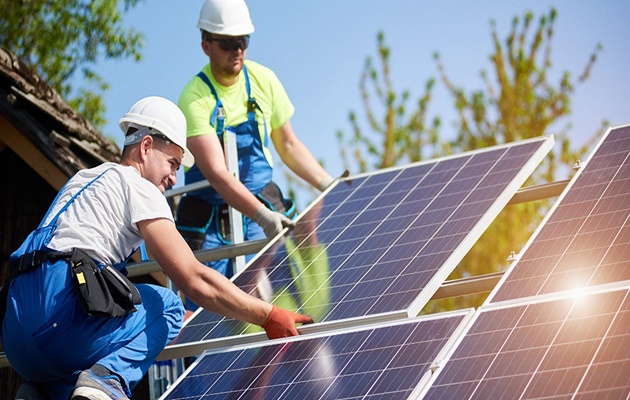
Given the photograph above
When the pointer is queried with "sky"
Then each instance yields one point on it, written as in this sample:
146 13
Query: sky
318 50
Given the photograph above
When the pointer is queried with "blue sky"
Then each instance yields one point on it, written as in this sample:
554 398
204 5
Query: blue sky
318 50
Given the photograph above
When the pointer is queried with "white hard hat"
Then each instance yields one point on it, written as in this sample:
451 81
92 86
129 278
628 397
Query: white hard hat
225 17
163 116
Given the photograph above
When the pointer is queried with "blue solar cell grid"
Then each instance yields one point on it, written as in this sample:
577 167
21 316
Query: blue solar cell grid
375 242
573 347
387 362
586 239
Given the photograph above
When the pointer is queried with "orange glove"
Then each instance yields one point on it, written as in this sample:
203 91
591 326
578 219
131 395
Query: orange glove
281 323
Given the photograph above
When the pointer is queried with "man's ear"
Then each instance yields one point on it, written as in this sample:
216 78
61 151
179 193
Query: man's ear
205 46
145 145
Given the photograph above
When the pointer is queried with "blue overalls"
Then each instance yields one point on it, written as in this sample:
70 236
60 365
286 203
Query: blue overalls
49 339
255 173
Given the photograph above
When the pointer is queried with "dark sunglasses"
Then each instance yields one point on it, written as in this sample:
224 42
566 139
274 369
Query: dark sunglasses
231 44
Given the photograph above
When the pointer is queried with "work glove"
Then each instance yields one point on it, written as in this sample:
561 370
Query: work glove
272 222
281 323
324 183
329 180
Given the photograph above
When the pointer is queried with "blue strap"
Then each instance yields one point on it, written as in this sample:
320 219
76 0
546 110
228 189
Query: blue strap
217 113
144 255
65 206
252 106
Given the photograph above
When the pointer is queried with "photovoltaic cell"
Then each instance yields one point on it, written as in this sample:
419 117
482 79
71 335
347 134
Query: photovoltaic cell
563 348
374 242
386 362
585 241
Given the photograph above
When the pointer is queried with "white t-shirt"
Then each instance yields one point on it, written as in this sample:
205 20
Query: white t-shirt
102 220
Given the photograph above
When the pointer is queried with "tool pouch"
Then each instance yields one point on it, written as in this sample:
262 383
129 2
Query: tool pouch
272 197
105 292
193 218
224 228
195 215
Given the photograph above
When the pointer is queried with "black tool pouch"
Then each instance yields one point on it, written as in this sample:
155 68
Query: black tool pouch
102 293
193 217
224 228
272 197
123 291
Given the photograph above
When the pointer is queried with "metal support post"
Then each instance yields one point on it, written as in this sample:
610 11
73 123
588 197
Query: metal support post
236 218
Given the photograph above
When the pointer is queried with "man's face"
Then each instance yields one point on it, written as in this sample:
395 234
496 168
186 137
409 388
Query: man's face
227 53
162 164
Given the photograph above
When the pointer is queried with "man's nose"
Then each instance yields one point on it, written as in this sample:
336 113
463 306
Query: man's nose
172 178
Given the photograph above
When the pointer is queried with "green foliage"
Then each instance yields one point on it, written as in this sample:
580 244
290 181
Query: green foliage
60 39
520 102
401 135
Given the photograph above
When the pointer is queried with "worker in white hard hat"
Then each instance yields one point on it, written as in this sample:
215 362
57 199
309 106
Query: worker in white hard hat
232 93
75 326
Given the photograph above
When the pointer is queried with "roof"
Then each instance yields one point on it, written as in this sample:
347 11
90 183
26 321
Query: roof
36 111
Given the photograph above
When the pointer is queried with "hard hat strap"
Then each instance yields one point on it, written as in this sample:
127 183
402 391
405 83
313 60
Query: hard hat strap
137 136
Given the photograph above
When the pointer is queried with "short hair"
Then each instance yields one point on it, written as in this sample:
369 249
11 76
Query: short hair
160 144
125 150
205 35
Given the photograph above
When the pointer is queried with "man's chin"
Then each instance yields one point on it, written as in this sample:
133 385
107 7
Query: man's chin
237 66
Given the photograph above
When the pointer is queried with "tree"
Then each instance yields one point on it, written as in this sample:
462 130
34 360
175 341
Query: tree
519 103
400 137
59 39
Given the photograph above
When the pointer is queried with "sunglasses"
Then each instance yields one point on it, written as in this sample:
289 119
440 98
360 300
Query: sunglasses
231 44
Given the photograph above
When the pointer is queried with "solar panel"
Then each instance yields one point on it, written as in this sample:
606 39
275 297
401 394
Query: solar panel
575 346
383 361
585 239
377 244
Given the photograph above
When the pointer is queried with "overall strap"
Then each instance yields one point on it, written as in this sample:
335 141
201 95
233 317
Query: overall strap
217 113
33 259
65 206
251 102
252 106
52 205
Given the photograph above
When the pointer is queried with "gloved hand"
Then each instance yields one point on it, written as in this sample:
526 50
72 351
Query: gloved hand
272 222
281 323
329 180
325 182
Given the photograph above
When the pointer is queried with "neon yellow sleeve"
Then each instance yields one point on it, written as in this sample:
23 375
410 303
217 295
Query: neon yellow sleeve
197 103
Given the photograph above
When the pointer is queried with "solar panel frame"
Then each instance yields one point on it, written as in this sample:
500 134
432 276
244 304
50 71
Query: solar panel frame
558 241
572 352
327 363
463 244
583 350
